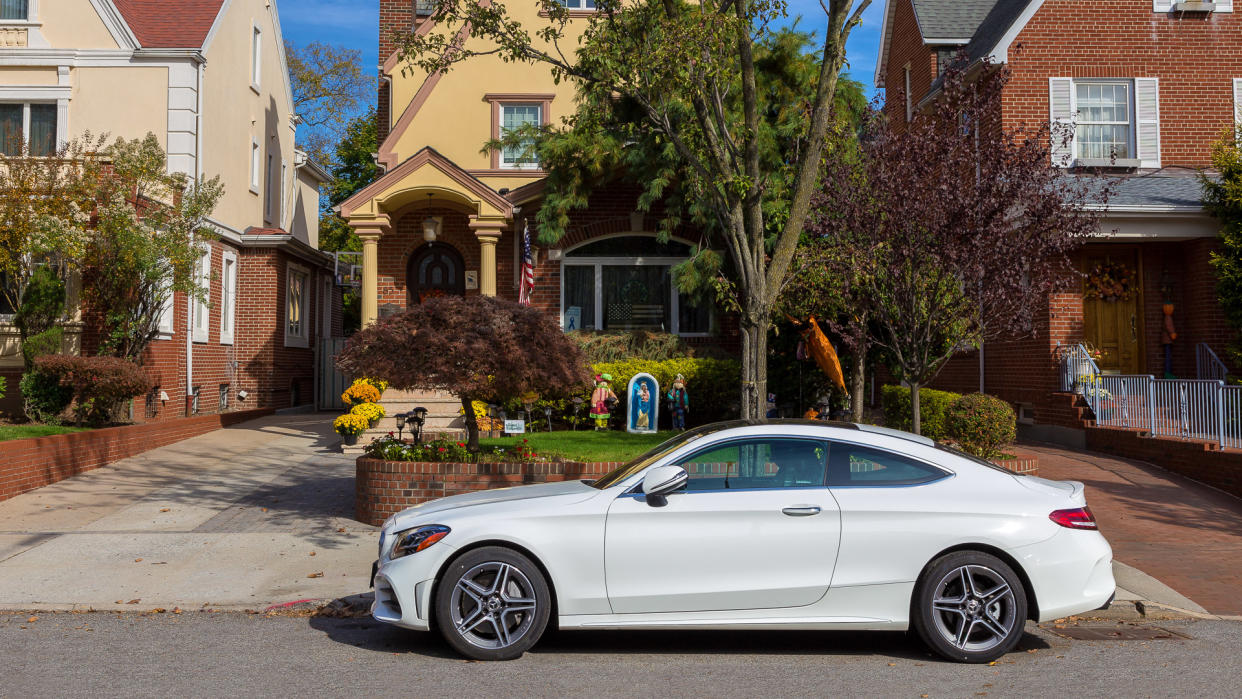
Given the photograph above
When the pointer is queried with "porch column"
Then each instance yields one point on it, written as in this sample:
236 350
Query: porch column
488 231
370 231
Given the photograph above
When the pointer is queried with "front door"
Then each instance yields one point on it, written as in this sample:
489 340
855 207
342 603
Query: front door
1112 299
756 528
435 269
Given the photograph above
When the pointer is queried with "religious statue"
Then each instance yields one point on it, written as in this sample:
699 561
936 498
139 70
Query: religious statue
602 400
643 392
644 407
679 402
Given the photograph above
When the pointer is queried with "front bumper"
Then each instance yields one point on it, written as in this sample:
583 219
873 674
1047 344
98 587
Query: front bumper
403 587
1071 573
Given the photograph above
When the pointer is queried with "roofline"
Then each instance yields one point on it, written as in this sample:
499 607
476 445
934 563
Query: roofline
215 26
934 40
274 12
882 64
1140 210
115 22
1000 52
315 169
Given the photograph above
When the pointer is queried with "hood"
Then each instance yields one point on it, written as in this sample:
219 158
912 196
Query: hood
412 515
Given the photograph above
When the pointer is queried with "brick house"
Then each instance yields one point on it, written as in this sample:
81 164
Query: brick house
1147 86
209 79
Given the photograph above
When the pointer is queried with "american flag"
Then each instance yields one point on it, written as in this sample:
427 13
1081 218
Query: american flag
528 269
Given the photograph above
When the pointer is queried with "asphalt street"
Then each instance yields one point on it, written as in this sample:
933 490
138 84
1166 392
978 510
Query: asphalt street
106 654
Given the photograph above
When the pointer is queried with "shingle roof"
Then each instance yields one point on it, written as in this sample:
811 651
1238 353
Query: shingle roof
179 24
1155 192
950 19
994 26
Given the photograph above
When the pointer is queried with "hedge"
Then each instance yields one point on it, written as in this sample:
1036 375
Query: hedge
982 425
933 410
714 384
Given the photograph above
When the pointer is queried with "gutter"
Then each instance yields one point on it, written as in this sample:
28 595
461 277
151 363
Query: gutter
291 245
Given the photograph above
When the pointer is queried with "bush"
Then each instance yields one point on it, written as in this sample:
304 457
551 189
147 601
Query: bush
714 384
99 385
362 391
47 342
4 387
982 425
370 411
933 405
599 347
351 424
44 398
43 303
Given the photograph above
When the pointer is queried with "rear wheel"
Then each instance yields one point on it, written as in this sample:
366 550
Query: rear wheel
970 607
492 604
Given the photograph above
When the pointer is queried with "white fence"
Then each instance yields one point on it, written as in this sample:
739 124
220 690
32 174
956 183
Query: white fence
1203 409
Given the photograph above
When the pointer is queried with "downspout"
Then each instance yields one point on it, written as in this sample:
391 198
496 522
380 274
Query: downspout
189 299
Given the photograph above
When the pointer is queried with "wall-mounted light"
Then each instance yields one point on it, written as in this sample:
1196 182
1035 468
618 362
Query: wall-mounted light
431 225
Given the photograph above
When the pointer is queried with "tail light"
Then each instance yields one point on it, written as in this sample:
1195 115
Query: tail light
1077 518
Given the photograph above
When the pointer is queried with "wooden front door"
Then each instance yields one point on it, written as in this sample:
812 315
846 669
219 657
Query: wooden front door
1114 322
435 270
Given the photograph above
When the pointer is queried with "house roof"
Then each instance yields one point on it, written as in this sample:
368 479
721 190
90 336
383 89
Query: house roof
181 24
994 27
1155 193
950 21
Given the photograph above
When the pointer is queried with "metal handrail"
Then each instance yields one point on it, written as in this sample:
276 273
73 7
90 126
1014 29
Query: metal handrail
1208 365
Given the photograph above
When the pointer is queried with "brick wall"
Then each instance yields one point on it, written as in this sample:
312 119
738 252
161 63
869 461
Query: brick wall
395 17
1193 459
384 488
906 46
26 464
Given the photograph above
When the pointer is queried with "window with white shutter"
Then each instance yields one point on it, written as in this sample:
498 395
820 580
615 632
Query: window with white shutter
1237 102
1162 5
1100 122
1061 102
1147 121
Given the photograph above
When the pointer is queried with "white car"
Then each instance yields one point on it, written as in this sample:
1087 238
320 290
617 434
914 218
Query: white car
768 525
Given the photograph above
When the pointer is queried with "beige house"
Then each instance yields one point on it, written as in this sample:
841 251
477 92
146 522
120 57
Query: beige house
209 79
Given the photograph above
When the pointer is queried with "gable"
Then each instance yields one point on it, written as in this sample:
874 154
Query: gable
164 24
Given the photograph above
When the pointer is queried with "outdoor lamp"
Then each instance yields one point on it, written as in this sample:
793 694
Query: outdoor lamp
400 425
419 417
547 413
431 225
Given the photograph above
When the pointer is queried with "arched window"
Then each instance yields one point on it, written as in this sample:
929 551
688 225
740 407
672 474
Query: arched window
625 283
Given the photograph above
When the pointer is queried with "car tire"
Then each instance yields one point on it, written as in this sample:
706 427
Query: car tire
492 603
969 607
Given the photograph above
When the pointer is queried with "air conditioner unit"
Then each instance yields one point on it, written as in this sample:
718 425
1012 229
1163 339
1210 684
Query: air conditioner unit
1194 7
424 8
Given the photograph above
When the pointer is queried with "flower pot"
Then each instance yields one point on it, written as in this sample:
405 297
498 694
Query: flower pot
349 439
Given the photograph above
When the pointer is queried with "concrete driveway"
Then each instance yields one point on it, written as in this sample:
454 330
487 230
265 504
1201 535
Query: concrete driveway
242 518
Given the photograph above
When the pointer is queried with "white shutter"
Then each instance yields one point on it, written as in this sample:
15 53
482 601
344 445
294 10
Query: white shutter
1162 5
1062 116
1147 121
1237 102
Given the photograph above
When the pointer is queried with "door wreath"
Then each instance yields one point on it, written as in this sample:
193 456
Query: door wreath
1111 282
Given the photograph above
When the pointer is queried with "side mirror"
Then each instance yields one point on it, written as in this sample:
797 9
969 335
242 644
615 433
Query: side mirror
662 480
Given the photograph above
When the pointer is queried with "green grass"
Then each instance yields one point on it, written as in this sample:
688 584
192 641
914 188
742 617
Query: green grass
585 445
10 432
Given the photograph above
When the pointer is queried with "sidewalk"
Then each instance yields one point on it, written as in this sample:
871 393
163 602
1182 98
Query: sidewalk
1184 534
240 518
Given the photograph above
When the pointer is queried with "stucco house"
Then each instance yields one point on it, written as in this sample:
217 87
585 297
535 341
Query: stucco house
208 78
1146 86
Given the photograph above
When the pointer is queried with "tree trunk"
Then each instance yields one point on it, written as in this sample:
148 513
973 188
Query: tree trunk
859 381
916 422
472 425
754 369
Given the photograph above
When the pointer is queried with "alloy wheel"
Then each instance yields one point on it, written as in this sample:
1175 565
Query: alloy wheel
974 608
493 605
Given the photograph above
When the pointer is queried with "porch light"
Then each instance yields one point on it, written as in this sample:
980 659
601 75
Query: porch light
431 228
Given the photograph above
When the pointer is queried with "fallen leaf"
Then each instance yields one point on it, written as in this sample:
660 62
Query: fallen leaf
263 509
315 575
340 530
892 664
32 620
137 560
158 610
133 601
165 509
118 602
312 553
176 610
991 663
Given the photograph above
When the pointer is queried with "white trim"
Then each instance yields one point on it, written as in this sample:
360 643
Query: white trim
168 318
279 38
882 64
1237 102
1000 53
909 97
1163 6
35 93
112 18
301 339
256 165
215 26
228 297
202 307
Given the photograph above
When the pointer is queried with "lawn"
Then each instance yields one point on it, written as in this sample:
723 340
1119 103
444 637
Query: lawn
585 445
10 432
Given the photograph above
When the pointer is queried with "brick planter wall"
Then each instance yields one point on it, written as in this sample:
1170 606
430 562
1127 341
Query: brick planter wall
26 464
384 488
1024 464
1200 460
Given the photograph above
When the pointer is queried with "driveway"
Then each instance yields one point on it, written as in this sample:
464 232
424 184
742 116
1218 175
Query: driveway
241 518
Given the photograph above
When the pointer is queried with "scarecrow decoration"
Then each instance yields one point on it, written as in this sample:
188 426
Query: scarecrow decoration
602 400
679 402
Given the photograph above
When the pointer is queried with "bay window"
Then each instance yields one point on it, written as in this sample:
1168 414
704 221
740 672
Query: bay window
626 283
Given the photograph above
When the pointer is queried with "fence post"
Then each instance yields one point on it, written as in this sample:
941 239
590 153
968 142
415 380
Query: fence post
1151 407
1220 412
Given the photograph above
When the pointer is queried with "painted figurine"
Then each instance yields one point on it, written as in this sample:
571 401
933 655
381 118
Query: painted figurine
601 400
1167 336
643 400
679 402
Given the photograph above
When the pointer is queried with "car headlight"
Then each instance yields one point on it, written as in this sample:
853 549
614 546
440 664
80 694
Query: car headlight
417 539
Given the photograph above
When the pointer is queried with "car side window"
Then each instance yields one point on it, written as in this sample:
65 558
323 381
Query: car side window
851 464
757 463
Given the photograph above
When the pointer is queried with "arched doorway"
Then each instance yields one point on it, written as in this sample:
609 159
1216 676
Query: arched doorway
435 270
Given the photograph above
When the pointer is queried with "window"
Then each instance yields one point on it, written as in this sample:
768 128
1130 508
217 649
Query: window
909 97
758 463
28 128
1103 120
256 58
14 9
195 394
295 307
577 4
278 215
202 304
854 465
946 57
269 189
228 297
514 116
626 283
224 397
256 164
167 312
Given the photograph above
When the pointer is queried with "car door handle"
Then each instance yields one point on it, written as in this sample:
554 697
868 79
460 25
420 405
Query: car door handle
802 510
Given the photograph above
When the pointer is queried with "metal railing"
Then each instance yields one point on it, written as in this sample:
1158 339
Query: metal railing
1203 409
1208 365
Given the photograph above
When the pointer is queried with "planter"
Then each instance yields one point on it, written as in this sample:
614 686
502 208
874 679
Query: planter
349 440
1022 464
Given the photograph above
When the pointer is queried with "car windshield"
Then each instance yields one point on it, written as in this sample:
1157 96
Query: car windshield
623 472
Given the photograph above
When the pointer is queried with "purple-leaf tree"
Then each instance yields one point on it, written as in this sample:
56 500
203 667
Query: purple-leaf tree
950 231
481 348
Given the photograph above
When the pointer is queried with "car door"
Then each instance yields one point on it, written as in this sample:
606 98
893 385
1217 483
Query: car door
754 528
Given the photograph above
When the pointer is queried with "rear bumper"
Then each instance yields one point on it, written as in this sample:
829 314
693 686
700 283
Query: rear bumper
1071 573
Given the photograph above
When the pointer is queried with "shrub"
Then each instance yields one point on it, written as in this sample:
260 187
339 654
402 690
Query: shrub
99 385
4 387
47 342
43 303
713 384
982 425
370 411
600 347
390 449
44 398
933 405
362 391
350 423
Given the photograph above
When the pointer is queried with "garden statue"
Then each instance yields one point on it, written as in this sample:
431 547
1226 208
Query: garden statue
1167 336
602 400
642 413
679 402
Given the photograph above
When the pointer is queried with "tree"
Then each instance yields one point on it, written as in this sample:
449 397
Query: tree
329 87
951 231
481 348
679 80
1222 197
148 234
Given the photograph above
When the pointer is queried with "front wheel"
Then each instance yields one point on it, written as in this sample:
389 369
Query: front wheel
492 604
970 607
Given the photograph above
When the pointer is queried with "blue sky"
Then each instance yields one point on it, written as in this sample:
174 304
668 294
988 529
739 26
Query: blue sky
355 23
